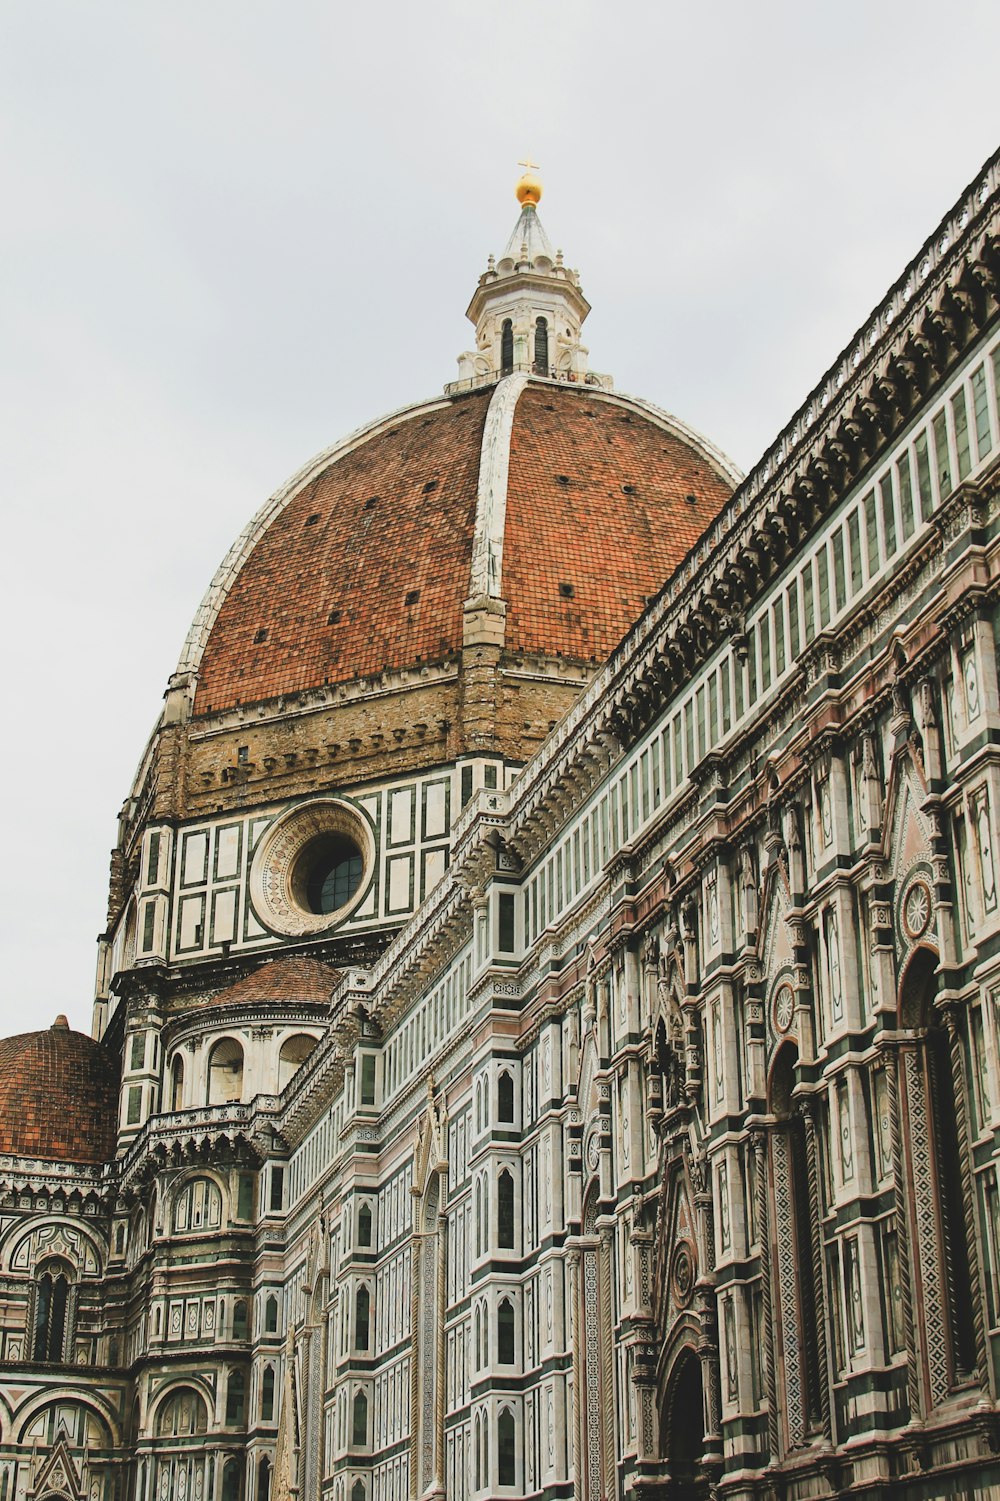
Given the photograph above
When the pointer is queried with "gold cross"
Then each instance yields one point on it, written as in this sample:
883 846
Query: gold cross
530 166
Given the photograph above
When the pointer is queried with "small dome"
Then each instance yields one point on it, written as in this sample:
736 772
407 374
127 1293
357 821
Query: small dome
58 1096
302 981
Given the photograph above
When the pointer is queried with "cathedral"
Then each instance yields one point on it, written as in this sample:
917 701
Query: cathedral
546 1039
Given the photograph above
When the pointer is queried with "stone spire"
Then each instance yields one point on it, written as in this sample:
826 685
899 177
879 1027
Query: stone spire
528 308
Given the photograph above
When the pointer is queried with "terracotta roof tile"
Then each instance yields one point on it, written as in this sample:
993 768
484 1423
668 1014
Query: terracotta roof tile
597 503
306 980
58 1096
333 553
598 515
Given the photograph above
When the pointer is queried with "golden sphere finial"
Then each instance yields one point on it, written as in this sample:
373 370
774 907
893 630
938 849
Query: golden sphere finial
529 187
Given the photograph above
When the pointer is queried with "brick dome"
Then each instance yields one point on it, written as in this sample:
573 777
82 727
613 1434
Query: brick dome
302 981
567 503
58 1096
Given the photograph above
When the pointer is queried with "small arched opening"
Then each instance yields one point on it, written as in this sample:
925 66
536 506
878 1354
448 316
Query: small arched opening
541 346
682 1430
225 1072
506 347
177 1083
293 1053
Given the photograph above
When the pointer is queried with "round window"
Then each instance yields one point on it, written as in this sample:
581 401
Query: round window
327 873
311 868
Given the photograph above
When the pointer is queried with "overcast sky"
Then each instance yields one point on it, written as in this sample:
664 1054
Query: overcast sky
234 231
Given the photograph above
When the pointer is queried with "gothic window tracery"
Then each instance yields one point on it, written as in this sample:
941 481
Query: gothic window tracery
181 1414
267 1395
52 1307
197 1206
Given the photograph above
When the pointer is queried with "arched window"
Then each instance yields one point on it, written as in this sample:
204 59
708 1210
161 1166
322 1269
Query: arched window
294 1052
198 1206
236 1397
506 1459
177 1082
477 1483
231 1480
264 1480
51 1312
358 1491
271 1315
359 1425
362 1309
477 1337
505 1332
225 1072
506 347
365 1225
505 1096
541 347
505 1210
119 1240
184 1412
267 1395
241 1320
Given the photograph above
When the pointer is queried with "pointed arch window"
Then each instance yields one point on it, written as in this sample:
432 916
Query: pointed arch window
358 1491
505 1096
231 1481
505 1210
365 1225
362 1314
241 1320
506 347
267 1395
52 1297
505 1332
506 1454
271 1315
264 1480
359 1420
541 346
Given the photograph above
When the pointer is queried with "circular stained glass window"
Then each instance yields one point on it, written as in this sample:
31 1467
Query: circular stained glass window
312 867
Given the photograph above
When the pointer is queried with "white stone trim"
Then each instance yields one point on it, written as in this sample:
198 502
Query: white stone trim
491 495
236 557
